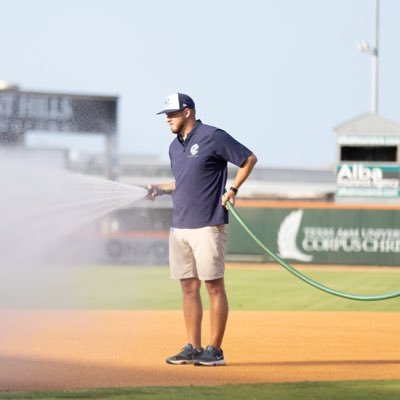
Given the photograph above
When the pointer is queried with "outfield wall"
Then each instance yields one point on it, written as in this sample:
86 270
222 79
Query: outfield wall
318 233
300 232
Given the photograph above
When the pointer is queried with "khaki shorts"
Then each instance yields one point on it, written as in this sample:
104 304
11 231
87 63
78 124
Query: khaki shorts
197 253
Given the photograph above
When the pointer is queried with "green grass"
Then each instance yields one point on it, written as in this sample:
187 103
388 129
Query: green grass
145 288
351 390
279 290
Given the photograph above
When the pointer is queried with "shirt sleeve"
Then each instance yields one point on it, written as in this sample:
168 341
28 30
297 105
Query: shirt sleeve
229 149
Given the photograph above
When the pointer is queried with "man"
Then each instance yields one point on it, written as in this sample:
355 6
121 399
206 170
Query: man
199 155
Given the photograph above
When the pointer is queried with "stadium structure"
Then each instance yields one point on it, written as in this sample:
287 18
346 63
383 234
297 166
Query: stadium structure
347 213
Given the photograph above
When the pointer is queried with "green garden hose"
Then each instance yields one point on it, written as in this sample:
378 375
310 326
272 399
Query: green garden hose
303 277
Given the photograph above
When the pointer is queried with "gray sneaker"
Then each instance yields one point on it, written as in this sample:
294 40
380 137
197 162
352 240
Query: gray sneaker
211 356
188 355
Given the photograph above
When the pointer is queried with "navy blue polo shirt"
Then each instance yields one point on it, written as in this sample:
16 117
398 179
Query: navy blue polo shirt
199 165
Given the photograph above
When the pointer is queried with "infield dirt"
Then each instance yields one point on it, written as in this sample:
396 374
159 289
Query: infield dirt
49 350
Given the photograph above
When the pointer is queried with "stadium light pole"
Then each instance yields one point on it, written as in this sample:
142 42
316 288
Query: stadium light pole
373 51
375 57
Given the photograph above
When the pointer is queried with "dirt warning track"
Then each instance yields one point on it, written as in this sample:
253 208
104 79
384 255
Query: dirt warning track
49 350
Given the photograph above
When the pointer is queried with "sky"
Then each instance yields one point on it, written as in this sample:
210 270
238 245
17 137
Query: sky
278 75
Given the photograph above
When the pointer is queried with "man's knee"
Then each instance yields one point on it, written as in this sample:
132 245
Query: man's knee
215 287
190 287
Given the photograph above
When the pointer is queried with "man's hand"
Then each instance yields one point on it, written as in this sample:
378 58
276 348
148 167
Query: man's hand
153 191
228 195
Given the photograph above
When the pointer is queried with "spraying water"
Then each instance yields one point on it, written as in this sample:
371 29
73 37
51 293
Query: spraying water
41 206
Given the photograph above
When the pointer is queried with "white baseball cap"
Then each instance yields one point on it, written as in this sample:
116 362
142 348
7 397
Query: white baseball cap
177 102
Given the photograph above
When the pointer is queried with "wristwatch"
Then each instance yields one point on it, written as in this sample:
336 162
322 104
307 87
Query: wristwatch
233 189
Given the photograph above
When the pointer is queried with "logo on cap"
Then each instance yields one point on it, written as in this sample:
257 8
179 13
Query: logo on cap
176 102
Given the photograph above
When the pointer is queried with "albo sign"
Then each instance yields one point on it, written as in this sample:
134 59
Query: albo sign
360 180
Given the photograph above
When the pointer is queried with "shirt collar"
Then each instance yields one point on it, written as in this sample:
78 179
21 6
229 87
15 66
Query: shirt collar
190 134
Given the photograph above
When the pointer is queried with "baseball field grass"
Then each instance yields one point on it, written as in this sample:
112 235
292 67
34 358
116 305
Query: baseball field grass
371 390
250 288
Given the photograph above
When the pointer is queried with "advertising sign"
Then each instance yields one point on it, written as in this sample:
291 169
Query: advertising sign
361 180
321 236
29 111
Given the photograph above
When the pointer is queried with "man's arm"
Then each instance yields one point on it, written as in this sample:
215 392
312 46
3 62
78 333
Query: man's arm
241 175
159 189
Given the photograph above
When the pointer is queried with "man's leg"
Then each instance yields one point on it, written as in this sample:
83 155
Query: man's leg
192 310
219 309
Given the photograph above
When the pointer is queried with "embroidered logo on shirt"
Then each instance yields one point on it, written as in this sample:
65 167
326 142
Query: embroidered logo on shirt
194 149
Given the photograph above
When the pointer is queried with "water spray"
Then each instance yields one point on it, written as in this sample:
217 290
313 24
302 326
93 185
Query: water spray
50 219
304 278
